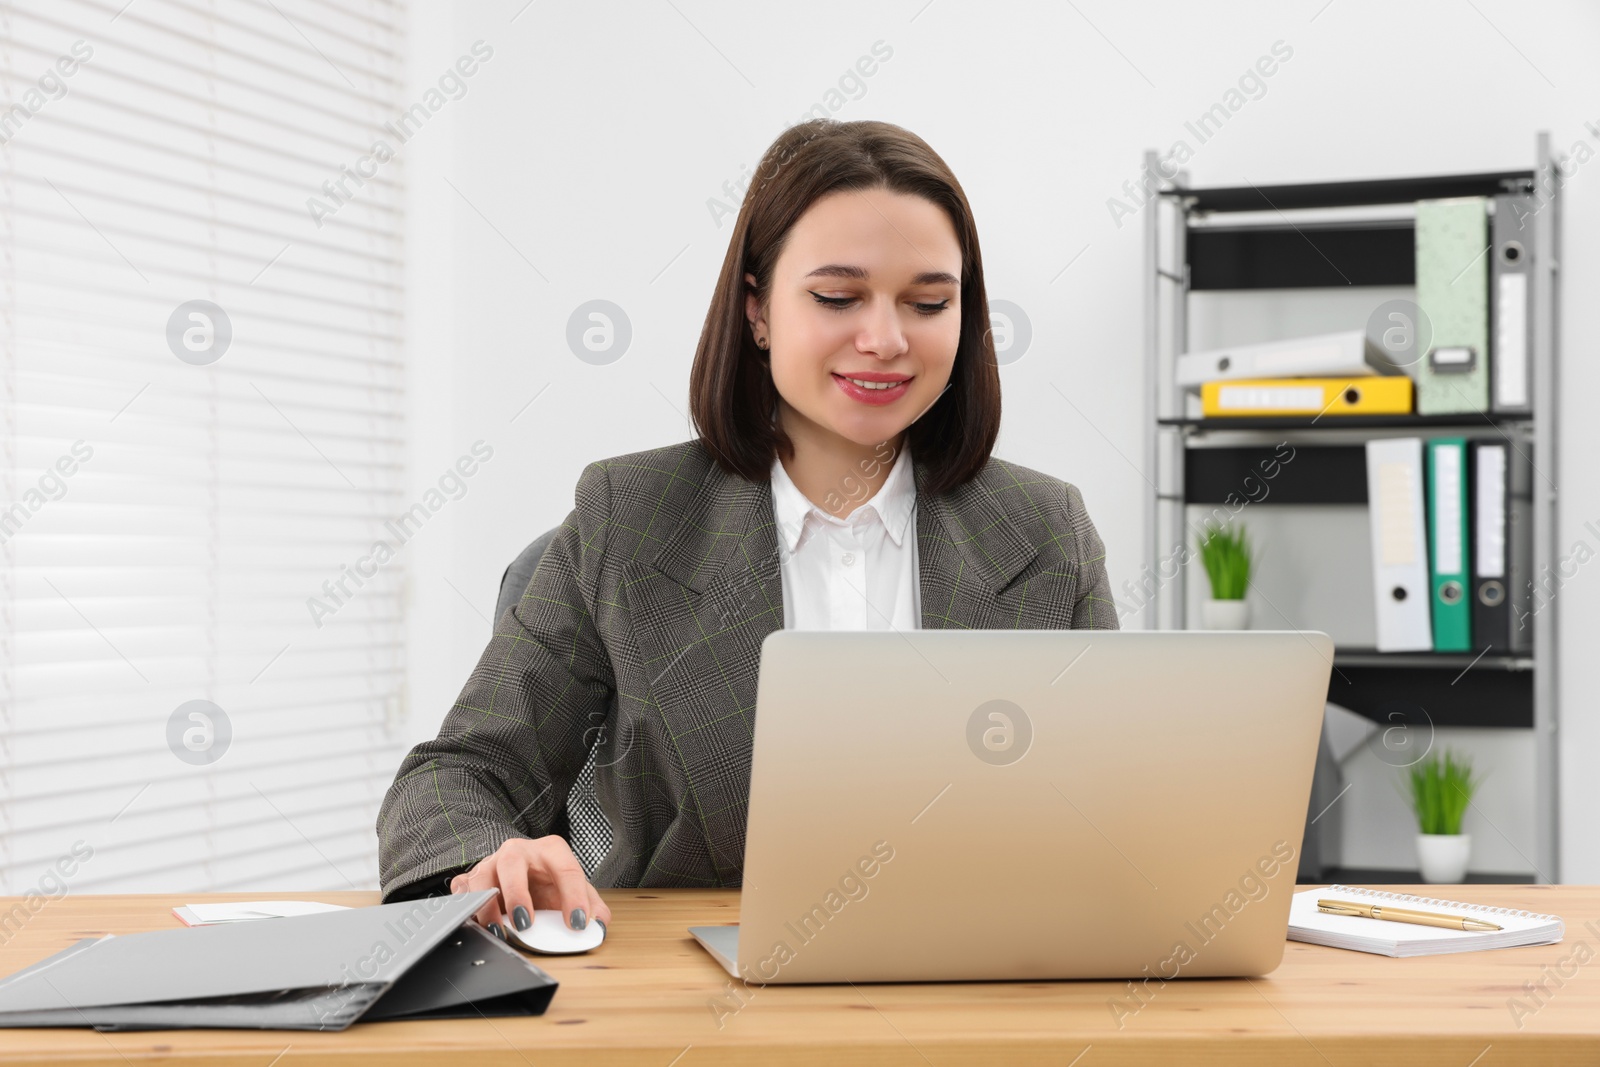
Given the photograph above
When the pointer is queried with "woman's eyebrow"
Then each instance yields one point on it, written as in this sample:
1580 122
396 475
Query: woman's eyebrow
843 270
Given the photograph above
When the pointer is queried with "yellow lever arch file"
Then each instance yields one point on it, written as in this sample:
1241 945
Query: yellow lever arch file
1368 395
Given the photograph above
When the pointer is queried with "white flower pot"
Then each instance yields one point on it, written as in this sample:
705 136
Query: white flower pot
1225 615
1444 857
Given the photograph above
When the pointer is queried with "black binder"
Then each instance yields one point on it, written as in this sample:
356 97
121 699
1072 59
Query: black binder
416 959
1501 572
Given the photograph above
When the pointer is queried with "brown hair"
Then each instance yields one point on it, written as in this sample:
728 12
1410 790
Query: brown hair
731 393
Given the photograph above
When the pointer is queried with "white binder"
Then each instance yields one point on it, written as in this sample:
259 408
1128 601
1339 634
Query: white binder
1399 544
1325 355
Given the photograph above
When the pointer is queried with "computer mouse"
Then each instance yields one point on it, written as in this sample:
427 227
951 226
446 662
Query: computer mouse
549 935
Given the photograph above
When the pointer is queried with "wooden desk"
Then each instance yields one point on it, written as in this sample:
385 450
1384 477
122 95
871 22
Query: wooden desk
647 996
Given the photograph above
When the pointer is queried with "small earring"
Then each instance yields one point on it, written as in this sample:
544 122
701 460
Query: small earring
761 342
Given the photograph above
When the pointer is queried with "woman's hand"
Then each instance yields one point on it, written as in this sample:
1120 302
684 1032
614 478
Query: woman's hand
531 875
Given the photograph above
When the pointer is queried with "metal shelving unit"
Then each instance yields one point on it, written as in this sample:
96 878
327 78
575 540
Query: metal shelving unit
1199 239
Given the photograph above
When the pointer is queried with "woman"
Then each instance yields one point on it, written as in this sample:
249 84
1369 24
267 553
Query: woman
846 396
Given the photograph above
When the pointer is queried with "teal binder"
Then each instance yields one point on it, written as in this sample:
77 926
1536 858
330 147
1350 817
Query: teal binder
1448 562
1452 242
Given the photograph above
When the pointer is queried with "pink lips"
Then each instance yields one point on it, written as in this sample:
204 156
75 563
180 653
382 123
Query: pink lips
875 396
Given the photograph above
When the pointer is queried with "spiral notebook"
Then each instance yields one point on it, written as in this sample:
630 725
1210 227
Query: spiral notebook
1388 938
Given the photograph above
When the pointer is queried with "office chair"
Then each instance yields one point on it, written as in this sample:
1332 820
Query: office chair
584 825
1321 848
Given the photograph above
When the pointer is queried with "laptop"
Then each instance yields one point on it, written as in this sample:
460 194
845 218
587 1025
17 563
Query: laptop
958 805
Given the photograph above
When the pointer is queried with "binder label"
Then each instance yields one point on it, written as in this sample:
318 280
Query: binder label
1447 510
1297 397
1491 532
1511 341
1397 533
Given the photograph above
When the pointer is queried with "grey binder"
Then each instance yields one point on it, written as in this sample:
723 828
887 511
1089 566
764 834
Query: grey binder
415 959
1511 304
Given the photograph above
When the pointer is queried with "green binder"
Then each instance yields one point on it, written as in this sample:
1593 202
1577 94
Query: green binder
1448 562
1452 241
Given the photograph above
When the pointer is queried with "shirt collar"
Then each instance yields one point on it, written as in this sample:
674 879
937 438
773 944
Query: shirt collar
892 504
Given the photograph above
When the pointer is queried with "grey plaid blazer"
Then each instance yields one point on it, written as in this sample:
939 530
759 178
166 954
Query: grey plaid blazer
640 633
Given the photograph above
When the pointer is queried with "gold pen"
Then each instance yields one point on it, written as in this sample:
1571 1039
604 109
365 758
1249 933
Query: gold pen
1402 915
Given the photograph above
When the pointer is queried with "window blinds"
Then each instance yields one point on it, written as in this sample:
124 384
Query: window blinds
202 393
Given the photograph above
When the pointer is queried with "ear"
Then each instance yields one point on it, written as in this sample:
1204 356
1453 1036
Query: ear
752 307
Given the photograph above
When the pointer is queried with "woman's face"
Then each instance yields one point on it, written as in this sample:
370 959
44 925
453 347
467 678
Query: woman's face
867 287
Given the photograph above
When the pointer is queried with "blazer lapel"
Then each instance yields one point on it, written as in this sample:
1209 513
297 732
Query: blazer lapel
713 592
968 551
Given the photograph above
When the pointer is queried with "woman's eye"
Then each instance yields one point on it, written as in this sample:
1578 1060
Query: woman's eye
839 303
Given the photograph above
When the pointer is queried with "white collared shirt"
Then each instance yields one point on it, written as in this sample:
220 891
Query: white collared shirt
855 573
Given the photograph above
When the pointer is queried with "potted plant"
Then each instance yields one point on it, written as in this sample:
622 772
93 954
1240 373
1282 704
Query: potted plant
1228 558
1441 789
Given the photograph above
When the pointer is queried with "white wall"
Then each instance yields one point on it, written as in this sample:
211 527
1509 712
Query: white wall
587 147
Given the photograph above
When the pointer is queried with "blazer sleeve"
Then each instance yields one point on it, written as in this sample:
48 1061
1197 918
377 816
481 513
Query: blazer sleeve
512 745
1094 608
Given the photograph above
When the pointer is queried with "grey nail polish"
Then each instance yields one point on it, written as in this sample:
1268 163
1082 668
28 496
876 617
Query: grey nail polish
520 916
494 928
579 920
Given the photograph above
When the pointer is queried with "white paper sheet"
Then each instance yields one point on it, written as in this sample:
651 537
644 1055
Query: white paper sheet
249 910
